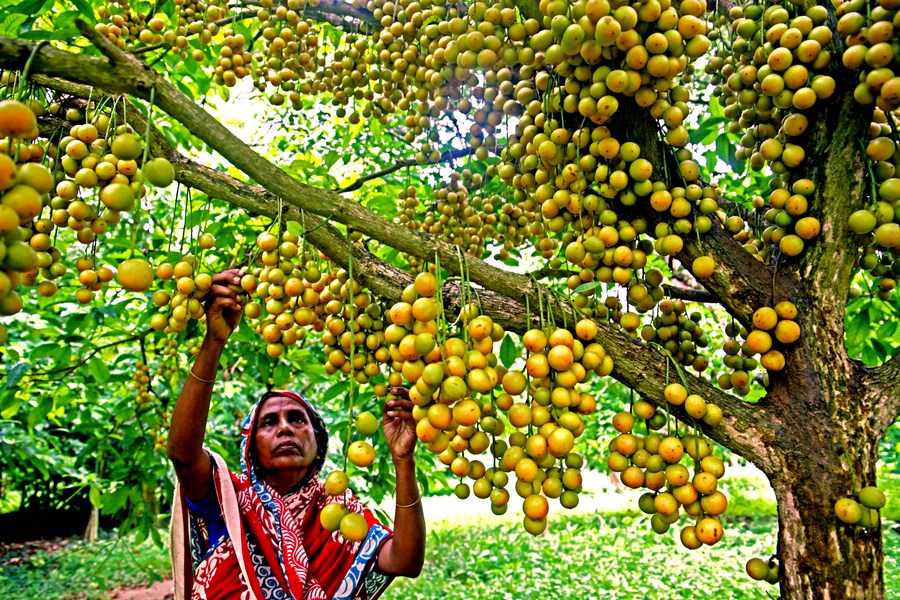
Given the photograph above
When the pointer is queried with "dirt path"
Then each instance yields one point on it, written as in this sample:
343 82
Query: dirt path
161 590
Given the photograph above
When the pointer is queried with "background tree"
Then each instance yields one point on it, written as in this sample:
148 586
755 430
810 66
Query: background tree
579 168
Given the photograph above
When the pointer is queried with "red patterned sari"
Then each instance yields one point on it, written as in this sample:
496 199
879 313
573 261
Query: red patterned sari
276 546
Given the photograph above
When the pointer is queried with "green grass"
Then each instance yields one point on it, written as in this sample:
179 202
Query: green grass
85 571
582 555
597 556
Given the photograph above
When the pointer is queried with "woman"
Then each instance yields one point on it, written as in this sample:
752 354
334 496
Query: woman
257 534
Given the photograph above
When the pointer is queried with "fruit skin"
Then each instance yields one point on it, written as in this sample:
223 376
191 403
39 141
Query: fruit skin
872 497
354 527
159 172
366 423
135 275
361 453
757 569
848 510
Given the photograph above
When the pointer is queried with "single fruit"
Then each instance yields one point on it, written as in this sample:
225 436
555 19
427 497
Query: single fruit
336 483
331 515
159 172
366 423
354 527
361 453
872 497
135 275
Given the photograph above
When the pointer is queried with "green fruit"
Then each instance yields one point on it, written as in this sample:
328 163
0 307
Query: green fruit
126 146
366 423
159 172
20 257
757 569
871 497
336 483
862 222
331 515
117 196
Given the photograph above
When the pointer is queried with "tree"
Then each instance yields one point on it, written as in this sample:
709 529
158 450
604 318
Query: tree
574 117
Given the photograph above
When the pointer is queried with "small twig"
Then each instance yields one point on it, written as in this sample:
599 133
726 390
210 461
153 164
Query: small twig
448 155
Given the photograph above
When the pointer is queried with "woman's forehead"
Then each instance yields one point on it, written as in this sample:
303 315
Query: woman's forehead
276 404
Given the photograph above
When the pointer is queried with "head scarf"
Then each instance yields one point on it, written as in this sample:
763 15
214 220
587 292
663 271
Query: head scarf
248 436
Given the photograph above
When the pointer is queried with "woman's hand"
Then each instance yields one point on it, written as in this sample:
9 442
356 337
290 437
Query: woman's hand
398 424
223 306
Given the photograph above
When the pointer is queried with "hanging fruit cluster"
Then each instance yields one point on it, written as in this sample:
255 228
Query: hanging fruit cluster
654 461
23 187
863 510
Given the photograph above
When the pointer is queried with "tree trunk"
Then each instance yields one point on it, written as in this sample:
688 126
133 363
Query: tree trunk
819 555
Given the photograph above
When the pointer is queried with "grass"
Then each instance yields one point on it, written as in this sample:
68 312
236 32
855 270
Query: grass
582 555
81 571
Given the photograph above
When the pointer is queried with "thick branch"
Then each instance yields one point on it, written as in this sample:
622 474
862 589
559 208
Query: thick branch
636 365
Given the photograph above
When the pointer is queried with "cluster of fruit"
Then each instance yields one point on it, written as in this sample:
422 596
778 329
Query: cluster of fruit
458 411
461 215
863 510
878 223
654 461
774 70
90 277
679 333
23 187
762 570
354 335
293 290
335 515
789 228
141 378
190 289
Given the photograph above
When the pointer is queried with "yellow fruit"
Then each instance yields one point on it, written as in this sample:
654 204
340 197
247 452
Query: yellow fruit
354 527
117 196
17 120
366 423
336 483
135 275
331 516
126 146
361 453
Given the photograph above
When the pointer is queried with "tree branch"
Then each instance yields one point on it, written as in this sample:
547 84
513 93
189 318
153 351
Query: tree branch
636 365
411 162
740 283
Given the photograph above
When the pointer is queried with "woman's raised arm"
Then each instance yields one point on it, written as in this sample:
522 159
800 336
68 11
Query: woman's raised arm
185 448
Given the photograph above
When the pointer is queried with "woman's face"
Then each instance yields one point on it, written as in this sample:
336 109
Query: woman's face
285 438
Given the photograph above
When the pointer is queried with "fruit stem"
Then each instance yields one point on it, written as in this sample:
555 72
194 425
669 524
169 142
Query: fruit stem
140 190
352 346
24 78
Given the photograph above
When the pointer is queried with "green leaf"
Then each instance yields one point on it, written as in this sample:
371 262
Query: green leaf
98 370
584 287
9 404
29 7
509 351
84 8
94 496
37 414
336 390
16 373
281 374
